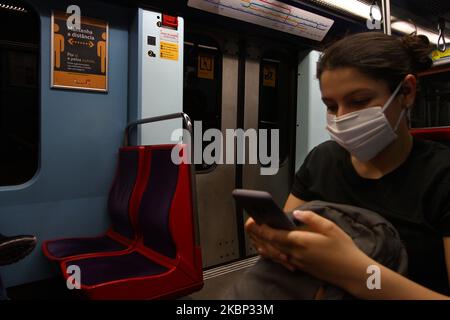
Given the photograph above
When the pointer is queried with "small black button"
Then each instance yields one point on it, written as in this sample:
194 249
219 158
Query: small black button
151 41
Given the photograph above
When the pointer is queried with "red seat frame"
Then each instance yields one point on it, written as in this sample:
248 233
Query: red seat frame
183 272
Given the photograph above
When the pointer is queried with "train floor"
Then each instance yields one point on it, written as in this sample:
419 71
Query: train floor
217 281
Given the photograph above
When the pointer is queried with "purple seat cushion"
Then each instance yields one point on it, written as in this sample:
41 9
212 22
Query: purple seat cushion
76 246
156 202
121 191
106 269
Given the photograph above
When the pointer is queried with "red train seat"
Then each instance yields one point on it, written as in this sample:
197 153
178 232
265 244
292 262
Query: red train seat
440 134
162 259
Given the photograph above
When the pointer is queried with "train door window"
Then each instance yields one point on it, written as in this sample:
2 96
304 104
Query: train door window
19 93
432 107
202 86
274 103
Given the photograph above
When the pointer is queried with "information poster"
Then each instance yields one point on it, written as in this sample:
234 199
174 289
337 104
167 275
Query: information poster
79 56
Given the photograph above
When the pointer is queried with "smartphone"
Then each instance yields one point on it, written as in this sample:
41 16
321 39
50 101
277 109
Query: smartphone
261 207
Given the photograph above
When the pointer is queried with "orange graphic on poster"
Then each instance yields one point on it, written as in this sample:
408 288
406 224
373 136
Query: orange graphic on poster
101 52
58 45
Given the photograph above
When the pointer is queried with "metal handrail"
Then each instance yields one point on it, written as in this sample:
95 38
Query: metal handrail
188 124
187 121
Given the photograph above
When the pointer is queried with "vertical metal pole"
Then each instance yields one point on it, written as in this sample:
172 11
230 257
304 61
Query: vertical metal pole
386 8
188 124
240 125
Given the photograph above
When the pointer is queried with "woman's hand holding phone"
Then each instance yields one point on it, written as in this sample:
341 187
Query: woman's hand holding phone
264 247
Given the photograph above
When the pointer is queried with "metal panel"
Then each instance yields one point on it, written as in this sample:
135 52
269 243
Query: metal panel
160 81
218 230
277 185
311 114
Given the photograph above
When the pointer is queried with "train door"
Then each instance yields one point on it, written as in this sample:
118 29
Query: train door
210 94
224 89
270 102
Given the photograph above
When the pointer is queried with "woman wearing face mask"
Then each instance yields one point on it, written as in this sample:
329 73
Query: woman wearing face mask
368 83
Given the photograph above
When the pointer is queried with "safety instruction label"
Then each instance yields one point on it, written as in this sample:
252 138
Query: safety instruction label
269 76
205 68
168 35
168 50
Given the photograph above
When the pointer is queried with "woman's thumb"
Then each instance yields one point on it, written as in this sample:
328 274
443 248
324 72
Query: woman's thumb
314 221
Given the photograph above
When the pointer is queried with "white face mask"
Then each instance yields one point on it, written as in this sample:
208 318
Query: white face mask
364 133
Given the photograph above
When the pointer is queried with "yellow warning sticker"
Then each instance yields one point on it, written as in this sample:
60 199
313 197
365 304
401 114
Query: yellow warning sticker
269 76
168 50
436 54
205 68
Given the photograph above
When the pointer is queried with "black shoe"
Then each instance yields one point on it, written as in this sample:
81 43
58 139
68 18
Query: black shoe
12 249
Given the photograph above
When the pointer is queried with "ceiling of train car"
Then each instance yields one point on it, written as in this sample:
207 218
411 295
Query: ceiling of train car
342 24
426 9
429 9
422 13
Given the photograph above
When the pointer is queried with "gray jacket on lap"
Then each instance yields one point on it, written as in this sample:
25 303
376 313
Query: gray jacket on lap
373 234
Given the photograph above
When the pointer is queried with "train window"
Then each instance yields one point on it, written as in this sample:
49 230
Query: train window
432 107
203 85
274 102
19 93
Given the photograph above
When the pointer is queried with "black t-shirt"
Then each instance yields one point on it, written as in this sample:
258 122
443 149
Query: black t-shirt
415 198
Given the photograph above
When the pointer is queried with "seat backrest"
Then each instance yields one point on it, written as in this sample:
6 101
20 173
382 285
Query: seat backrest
122 190
441 135
156 201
